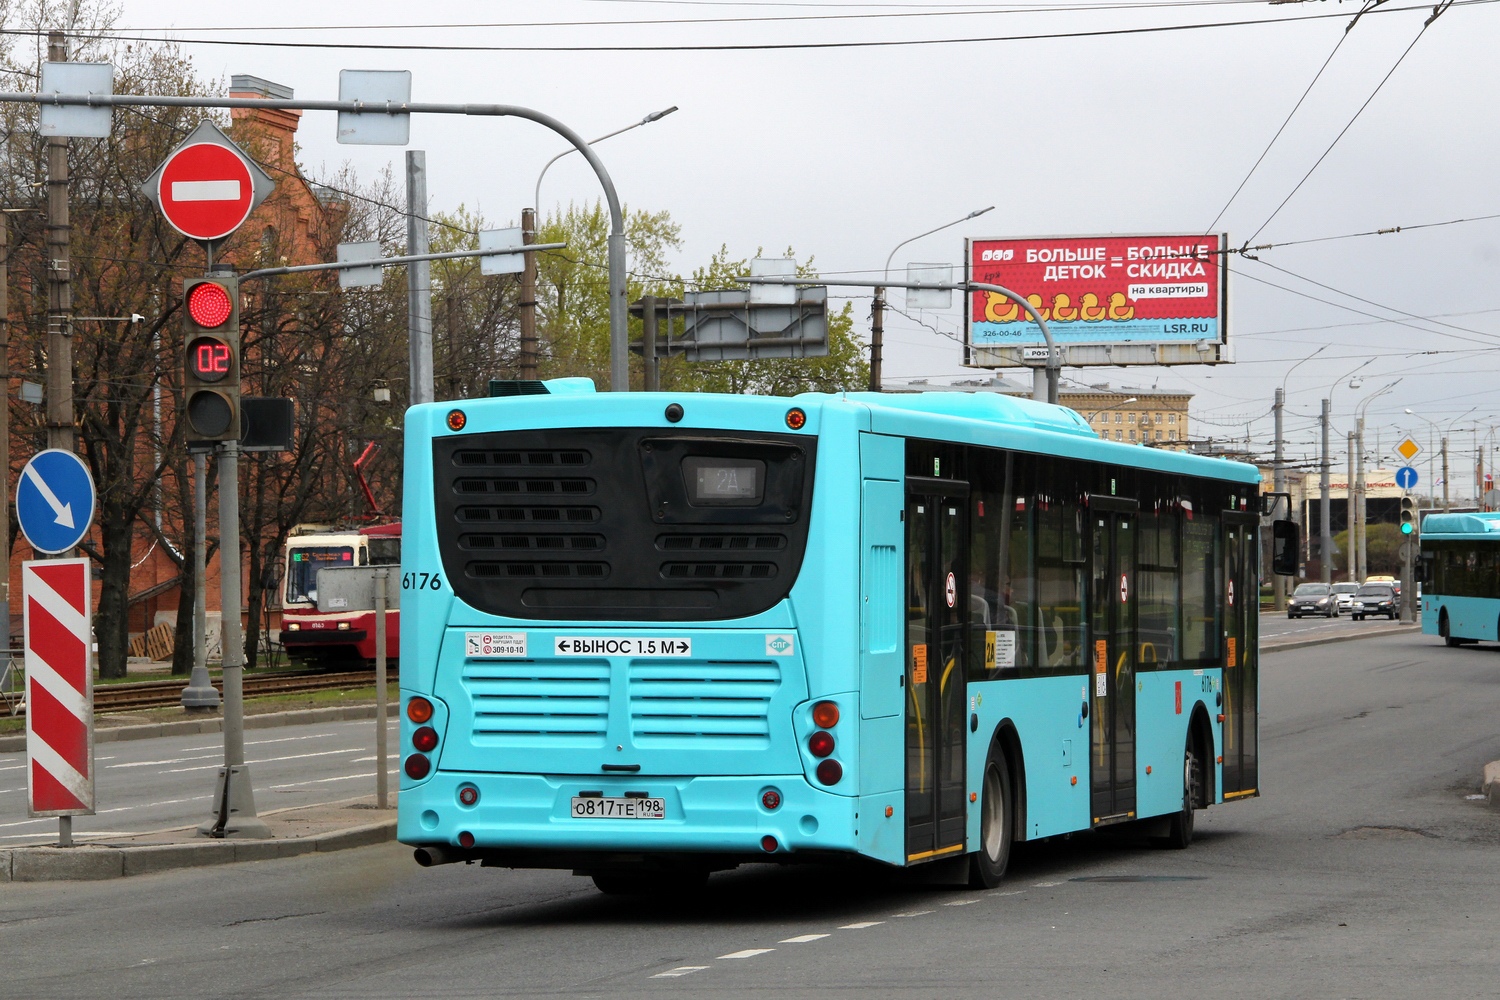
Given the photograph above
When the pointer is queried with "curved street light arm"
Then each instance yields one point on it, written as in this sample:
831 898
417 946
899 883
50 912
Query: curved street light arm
536 197
1054 359
972 215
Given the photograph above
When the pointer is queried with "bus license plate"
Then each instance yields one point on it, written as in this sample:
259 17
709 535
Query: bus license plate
618 808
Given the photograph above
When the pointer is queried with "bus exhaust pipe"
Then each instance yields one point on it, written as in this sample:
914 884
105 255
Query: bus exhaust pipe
432 855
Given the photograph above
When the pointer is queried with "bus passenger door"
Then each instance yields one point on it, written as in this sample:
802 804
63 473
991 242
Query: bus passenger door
1113 650
1241 652
937 611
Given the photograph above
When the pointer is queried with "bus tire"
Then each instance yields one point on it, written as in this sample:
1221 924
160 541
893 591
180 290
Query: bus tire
1180 827
1449 639
996 825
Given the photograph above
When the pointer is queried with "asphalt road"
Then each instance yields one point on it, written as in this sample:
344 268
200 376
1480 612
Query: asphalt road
1363 871
1278 626
160 784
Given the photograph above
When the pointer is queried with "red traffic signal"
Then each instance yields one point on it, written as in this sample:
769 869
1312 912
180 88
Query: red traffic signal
211 369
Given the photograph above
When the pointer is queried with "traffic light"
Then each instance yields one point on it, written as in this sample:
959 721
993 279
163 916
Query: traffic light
1408 516
211 368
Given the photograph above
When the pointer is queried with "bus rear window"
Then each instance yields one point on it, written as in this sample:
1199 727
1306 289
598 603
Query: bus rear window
302 567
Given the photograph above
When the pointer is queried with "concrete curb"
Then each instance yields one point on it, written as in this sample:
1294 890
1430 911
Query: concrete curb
1281 647
215 724
92 862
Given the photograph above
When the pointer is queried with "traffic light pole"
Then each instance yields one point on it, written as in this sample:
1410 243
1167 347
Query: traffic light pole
234 796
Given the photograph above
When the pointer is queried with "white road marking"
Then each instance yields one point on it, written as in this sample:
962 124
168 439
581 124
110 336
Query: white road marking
170 760
366 775
915 913
681 970
747 953
268 760
861 925
803 939
1046 885
961 902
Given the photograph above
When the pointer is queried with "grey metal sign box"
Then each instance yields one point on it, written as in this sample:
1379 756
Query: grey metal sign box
352 588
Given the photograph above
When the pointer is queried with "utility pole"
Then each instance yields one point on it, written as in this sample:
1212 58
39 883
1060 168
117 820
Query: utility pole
59 282
1278 585
877 337
59 318
199 695
5 432
649 373
418 280
1325 530
1352 556
1364 566
1446 505
528 296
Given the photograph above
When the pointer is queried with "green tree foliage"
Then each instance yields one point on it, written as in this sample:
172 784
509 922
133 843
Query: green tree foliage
573 311
573 284
843 369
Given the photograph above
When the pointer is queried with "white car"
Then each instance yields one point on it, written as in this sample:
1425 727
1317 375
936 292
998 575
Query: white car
1345 593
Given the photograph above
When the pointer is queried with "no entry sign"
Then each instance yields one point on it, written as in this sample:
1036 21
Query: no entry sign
59 688
205 191
207 187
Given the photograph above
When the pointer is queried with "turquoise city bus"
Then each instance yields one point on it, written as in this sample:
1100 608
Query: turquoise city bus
1460 574
653 635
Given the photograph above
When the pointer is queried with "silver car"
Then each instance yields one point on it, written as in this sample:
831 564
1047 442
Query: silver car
1313 599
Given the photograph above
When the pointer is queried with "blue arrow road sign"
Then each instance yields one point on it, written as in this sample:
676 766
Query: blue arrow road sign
55 500
1406 477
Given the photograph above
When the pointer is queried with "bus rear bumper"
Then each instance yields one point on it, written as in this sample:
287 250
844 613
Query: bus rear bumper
521 815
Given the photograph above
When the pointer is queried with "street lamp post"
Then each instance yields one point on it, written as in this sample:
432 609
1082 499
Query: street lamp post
1278 469
1445 431
1360 512
528 365
877 307
1325 504
1105 409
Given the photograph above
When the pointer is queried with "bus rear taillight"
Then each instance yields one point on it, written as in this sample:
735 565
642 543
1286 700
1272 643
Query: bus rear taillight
830 771
419 710
417 767
768 844
826 714
820 744
425 739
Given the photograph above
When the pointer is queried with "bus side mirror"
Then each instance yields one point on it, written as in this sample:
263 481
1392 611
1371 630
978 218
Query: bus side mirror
1285 546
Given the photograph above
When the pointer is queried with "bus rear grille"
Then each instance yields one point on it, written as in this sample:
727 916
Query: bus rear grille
528 704
718 571
720 543
518 486
524 570
703 704
545 543
471 458
541 515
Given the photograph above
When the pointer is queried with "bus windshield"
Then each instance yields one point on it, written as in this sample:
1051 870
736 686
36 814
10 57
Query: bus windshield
302 567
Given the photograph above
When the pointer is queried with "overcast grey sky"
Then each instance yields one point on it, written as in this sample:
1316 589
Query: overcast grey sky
844 151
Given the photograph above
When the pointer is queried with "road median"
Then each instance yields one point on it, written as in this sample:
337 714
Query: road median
304 830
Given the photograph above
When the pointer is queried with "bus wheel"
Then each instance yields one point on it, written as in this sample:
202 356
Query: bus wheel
987 865
1180 828
1443 630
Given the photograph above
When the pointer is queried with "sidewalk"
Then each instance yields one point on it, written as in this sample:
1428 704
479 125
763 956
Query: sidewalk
333 826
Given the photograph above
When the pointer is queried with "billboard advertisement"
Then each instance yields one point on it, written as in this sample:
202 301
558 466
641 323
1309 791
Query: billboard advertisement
1111 290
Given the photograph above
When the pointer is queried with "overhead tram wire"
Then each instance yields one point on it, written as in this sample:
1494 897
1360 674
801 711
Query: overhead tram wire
1361 312
1437 12
735 47
1369 5
957 10
1372 302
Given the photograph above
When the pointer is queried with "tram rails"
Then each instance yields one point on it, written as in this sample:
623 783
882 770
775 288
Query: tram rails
168 693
